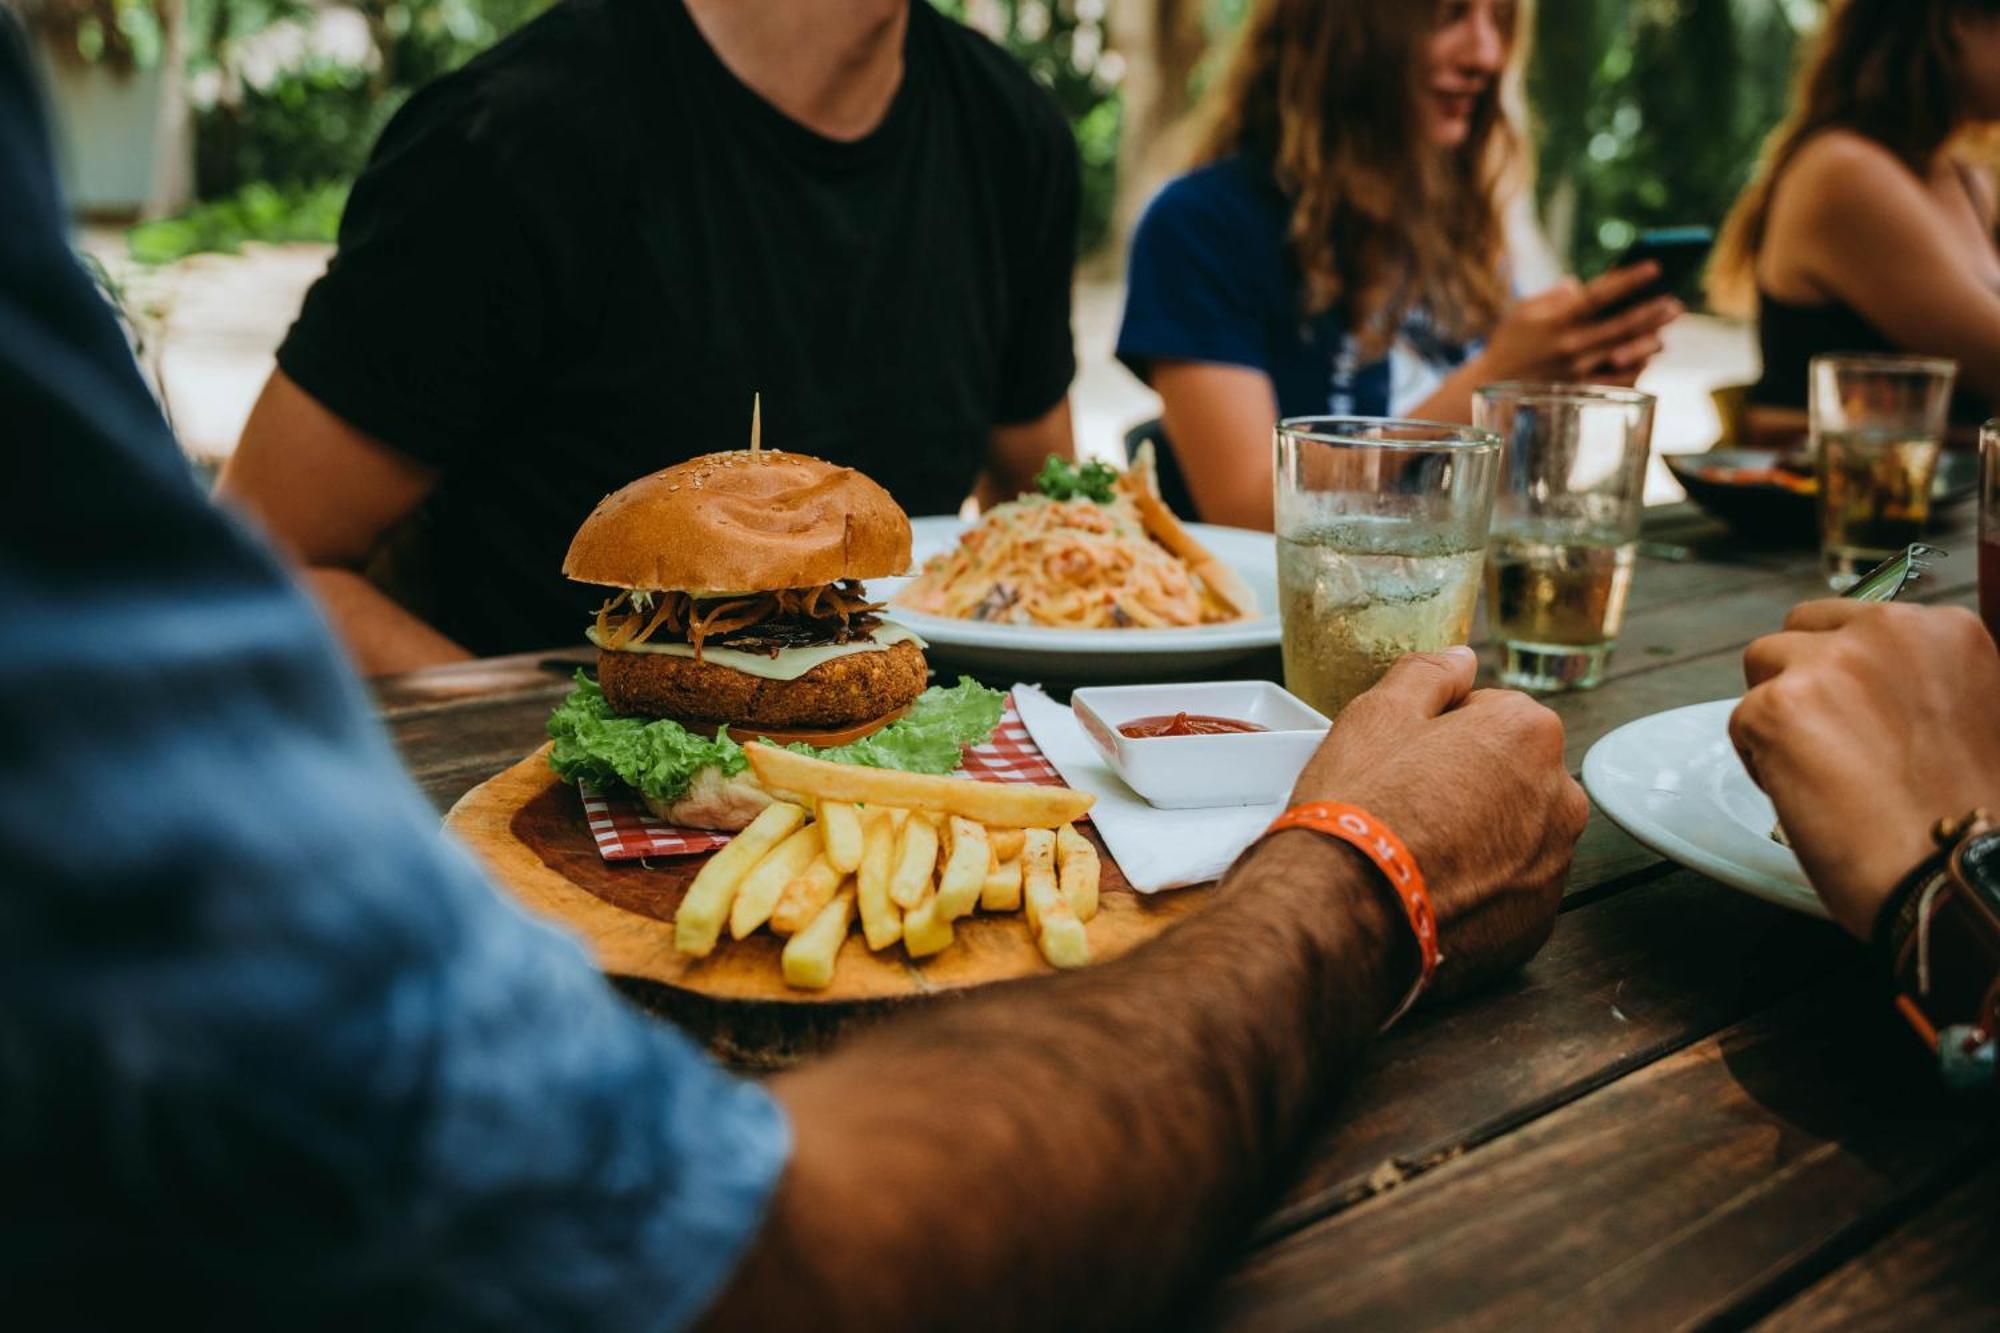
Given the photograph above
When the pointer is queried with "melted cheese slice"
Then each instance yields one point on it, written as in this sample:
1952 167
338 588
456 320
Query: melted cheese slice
789 664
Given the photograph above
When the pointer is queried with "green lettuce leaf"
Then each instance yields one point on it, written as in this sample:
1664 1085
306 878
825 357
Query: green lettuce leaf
928 738
660 758
657 757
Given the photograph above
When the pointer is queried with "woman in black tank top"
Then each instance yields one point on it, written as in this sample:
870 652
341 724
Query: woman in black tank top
1865 230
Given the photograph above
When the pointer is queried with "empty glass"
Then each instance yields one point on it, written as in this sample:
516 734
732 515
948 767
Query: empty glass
1381 535
1565 526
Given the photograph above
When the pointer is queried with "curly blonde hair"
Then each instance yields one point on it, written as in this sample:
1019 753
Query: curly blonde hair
1326 92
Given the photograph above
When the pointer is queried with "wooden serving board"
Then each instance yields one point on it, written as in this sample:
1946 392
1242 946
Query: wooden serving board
527 825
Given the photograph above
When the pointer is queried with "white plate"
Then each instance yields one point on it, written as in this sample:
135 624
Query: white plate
1125 654
1673 781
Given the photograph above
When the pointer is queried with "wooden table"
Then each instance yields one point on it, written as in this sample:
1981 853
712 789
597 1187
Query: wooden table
1691 1108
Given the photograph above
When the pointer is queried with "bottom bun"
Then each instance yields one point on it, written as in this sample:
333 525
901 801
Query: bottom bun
713 801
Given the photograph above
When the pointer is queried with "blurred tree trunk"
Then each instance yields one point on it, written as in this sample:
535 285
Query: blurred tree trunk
1161 42
173 126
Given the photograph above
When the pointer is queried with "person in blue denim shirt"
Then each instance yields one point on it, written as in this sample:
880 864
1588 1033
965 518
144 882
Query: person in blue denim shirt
273 1053
1340 249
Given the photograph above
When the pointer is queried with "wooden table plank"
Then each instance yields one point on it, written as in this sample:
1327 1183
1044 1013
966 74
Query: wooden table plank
484 679
1677 1194
1624 980
1939 1271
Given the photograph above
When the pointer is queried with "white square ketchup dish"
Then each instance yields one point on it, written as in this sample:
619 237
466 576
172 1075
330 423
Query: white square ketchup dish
1232 742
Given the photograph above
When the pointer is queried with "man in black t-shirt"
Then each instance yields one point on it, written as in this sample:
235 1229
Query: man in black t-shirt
574 261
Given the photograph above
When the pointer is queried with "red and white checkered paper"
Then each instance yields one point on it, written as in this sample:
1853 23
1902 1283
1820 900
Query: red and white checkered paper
625 830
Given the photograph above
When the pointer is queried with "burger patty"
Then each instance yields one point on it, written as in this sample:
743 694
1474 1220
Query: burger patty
847 690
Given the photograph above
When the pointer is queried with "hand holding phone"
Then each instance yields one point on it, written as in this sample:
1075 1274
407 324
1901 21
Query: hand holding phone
1679 252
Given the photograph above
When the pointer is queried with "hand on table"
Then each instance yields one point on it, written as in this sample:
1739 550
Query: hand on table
1473 782
1866 724
1562 335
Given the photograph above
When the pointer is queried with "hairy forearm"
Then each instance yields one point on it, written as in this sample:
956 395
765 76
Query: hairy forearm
969 1168
380 635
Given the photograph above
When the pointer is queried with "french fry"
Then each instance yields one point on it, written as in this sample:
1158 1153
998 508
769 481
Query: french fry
810 955
840 829
1002 890
1039 894
916 857
1006 843
1058 933
881 923
805 896
698 923
765 884
1063 942
1013 805
927 930
1078 868
964 873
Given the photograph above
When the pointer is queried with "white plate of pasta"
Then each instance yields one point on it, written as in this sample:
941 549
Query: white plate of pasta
1079 590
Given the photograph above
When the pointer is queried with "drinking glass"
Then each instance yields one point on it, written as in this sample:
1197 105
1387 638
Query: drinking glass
1565 525
1381 535
1989 527
1877 430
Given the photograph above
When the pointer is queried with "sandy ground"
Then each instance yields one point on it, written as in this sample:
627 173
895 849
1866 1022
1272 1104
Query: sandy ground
211 324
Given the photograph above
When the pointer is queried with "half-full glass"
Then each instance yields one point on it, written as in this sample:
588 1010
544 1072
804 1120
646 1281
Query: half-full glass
1381 536
1989 527
1877 429
1565 525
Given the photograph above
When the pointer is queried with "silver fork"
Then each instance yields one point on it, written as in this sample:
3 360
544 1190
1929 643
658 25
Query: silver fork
1886 581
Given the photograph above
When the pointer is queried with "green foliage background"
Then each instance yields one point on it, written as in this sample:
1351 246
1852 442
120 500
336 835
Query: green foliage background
1651 112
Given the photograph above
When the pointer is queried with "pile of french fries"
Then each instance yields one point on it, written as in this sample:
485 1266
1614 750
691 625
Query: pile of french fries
907 853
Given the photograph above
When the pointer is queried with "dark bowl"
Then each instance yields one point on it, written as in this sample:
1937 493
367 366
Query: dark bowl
1770 512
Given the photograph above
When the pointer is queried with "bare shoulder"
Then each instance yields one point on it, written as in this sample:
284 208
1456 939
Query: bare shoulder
1839 183
1843 160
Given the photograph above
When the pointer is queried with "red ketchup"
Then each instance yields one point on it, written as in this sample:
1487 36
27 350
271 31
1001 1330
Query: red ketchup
1184 724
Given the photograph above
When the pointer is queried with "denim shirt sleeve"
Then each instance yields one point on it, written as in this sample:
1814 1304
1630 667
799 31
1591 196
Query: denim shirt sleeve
272 1051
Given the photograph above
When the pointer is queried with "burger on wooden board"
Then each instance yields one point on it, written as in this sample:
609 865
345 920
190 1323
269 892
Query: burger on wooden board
738 616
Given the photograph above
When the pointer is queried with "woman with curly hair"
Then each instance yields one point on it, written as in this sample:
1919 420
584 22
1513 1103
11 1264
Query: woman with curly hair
1340 247
1869 225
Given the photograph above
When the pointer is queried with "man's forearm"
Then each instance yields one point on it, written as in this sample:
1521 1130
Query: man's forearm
971 1168
1016 453
380 635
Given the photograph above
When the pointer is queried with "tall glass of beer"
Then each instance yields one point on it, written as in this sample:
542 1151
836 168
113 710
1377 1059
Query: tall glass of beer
1877 430
1565 526
1381 536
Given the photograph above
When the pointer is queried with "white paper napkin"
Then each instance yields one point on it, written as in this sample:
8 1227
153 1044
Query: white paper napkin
1157 849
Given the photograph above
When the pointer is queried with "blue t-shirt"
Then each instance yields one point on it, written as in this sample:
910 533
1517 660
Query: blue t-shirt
273 1053
1211 279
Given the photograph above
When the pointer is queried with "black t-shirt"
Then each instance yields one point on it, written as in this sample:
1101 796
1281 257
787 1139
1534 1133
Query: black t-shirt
572 262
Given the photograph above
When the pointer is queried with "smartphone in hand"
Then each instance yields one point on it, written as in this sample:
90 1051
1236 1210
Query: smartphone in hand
1679 251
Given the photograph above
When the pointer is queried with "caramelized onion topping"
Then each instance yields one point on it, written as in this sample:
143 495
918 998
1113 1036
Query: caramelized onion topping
700 619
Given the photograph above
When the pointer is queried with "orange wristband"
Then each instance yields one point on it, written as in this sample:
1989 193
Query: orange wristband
1372 838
